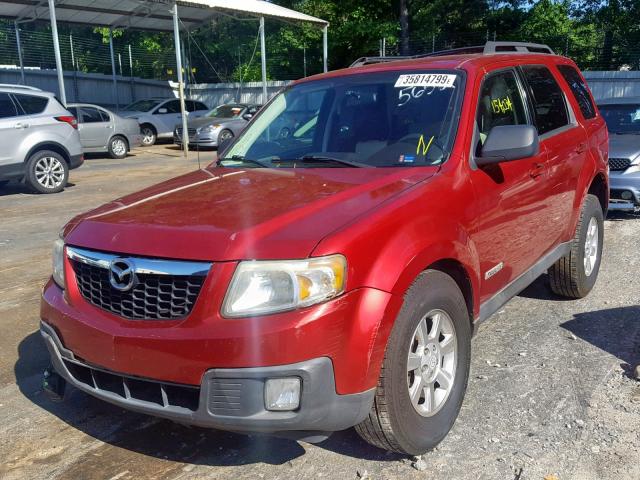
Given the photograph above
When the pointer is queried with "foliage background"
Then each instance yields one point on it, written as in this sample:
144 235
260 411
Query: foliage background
598 34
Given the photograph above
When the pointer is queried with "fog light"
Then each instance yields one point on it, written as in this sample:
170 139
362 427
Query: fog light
626 195
281 394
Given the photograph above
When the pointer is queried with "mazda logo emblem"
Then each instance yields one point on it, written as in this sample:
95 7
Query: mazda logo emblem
122 275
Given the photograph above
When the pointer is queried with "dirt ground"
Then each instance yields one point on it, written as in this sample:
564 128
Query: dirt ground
550 393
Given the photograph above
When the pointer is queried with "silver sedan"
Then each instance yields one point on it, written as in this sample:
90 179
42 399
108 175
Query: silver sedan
221 123
103 131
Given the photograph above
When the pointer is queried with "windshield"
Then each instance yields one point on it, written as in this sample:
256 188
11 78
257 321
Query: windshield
622 119
226 111
142 105
399 118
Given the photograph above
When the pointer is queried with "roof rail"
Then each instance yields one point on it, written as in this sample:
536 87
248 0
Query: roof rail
519 47
20 87
488 48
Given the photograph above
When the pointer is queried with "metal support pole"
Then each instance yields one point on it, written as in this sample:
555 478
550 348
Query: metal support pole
176 38
304 61
113 70
384 46
73 57
263 55
19 51
133 89
325 48
56 51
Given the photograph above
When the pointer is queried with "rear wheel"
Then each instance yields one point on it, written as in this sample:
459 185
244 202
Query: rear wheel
118 147
425 369
47 172
149 135
575 274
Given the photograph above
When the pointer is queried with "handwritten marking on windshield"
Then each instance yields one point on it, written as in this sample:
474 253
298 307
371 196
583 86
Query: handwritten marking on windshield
425 146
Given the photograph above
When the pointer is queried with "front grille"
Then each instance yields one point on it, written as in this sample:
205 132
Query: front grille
137 389
190 131
155 290
618 164
154 297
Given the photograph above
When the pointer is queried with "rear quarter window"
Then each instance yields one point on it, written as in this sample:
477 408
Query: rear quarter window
7 108
31 104
579 89
549 105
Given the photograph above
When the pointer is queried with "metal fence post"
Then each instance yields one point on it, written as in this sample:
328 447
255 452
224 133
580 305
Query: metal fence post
19 51
113 70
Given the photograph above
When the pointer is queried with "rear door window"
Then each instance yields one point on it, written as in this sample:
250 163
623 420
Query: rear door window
31 104
549 105
91 115
501 103
579 89
7 107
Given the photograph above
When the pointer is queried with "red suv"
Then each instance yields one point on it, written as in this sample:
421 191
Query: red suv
331 268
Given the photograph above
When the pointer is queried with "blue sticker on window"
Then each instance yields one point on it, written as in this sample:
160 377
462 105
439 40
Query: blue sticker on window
407 159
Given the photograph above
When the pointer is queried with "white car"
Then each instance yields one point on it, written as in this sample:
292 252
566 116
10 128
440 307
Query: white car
158 116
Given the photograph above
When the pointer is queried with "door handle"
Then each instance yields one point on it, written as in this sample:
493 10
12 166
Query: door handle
21 125
581 148
537 170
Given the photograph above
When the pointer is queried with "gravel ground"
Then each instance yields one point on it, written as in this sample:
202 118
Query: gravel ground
551 393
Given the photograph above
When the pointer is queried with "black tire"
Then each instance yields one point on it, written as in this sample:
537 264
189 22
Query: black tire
34 172
149 134
225 133
393 423
568 277
115 147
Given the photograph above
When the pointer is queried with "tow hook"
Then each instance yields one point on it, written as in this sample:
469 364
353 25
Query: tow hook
53 385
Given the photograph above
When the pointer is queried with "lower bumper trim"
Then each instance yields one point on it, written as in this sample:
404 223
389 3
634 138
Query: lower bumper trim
227 399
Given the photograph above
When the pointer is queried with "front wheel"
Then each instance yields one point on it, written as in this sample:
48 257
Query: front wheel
575 274
149 135
425 370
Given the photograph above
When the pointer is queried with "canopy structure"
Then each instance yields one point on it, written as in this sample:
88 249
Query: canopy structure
155 15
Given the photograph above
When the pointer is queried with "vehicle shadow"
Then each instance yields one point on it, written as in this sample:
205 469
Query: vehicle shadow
614 330
620 215
540 290
15 188
164 439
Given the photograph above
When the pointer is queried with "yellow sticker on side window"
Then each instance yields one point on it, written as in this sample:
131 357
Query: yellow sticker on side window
502 105
424 146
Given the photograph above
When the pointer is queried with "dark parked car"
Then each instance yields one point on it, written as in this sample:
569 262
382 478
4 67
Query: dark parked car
623 120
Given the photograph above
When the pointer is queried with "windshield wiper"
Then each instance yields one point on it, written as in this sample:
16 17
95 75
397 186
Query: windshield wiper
241 158
324 159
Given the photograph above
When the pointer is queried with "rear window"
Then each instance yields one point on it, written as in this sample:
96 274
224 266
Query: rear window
7 108
550 108
31 105
579 89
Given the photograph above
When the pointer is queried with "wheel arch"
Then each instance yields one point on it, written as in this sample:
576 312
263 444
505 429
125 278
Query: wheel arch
600 188
53 146
457 271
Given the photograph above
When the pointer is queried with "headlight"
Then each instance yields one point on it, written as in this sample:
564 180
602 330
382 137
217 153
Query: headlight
261 287
58 262
208 128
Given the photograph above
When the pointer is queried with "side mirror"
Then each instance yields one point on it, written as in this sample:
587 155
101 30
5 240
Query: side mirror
509 142
247 116
162 110
223 146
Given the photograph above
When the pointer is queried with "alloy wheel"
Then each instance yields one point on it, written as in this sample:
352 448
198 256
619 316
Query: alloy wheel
118 147
49 172
431 363
591 247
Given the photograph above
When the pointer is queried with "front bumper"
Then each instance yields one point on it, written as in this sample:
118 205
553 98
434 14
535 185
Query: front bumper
623 184
227 398
199 139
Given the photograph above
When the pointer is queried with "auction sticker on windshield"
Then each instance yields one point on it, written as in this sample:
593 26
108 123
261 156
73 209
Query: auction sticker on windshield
442 80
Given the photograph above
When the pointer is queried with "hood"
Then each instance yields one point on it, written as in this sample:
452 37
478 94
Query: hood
130 114
204 121
624 146
218 214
